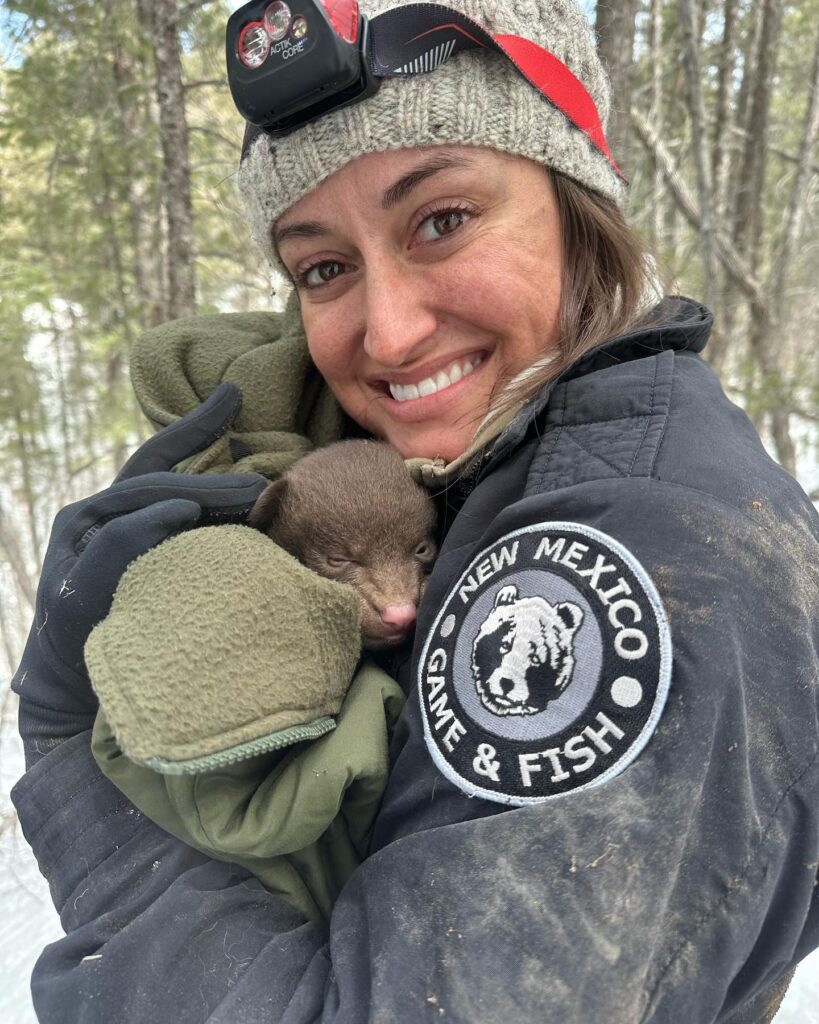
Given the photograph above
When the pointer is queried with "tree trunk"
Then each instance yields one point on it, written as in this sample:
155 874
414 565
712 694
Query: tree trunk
11 645
135 122
765 334
768 331
689 20
614 25
64 474
161 18
751 184
656 117
28 486
723 116
798 202
14 558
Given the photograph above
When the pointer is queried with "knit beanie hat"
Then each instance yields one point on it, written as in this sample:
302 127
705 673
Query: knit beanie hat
475 98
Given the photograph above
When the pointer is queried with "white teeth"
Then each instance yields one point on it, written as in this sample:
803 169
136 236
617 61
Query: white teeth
402 394
443 379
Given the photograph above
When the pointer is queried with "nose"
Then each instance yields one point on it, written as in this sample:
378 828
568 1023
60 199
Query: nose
401 616
398 316
506 685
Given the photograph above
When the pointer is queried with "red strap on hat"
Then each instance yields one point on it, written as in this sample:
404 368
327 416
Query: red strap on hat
396 52
559 85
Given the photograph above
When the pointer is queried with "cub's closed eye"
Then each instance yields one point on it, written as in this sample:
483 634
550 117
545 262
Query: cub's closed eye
338 562
424 550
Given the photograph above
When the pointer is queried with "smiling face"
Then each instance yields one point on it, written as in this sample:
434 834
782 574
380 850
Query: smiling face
427 279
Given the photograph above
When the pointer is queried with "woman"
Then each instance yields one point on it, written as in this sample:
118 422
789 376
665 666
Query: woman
602 801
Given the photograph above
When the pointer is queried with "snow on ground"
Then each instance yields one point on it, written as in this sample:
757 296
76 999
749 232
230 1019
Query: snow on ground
28 921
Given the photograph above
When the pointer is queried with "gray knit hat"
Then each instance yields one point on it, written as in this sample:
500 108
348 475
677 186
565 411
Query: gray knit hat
476 98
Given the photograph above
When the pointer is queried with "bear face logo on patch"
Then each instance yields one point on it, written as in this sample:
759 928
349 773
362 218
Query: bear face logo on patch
523 656
547 668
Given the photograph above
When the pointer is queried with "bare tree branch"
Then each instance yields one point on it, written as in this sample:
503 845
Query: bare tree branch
188 86
790 157
186 10
205 130
734 265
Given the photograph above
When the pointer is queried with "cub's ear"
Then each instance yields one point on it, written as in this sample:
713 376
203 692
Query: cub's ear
265 512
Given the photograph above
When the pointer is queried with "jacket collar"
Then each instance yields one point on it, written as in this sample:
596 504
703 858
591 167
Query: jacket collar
676 323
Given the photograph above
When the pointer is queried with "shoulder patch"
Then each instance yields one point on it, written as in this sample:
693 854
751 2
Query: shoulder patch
547 668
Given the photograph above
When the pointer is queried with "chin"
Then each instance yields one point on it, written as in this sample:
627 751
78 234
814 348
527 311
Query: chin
382 643
446 445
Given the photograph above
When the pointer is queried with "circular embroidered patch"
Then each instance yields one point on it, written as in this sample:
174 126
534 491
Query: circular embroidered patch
547 668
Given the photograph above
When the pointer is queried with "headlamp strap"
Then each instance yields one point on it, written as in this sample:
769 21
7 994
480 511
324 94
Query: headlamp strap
398 49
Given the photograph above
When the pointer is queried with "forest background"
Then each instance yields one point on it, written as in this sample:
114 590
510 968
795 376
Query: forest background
118 211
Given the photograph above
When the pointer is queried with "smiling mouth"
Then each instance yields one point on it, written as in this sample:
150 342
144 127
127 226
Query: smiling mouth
445 378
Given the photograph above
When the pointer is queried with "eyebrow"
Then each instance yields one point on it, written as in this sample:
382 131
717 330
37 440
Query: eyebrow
402 188
392 196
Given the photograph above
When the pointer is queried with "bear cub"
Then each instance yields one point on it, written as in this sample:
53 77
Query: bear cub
352 513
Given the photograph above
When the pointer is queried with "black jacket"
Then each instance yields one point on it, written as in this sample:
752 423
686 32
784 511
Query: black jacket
673 889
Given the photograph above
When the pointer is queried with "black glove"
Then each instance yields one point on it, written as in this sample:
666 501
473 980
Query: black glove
92 543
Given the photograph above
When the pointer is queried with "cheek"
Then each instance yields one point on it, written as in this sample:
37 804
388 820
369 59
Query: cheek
329 341
513 292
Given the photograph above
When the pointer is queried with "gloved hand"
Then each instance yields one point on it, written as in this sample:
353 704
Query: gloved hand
94 540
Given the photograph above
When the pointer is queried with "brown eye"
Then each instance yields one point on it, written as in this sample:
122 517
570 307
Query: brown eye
443 223
446 223
327 271
424 551
323 275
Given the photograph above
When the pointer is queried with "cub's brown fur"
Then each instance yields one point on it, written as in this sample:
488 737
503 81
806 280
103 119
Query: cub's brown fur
352 513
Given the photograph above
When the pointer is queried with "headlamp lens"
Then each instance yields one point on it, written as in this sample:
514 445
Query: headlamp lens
299 28
343 15
277 20
254 45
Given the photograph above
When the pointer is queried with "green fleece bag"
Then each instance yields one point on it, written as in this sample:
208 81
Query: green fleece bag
228 715
220 645
299 819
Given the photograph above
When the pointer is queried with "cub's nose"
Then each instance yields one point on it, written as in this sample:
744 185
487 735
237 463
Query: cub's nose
399 616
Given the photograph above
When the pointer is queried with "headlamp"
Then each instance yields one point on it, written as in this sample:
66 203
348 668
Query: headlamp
290 63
